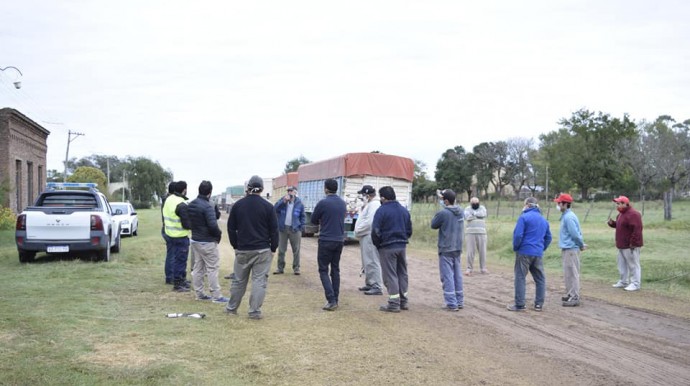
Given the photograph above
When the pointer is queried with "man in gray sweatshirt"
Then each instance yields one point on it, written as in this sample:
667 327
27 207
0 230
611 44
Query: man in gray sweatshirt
449 222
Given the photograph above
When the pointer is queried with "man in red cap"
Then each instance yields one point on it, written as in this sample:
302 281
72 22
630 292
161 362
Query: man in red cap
628 226
571 243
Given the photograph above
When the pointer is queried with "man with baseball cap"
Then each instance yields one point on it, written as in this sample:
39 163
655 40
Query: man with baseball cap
571 243
370 255
628 226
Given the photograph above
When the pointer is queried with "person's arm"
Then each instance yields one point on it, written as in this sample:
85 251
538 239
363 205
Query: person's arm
437 220
574 231
636 234
232 229
302 216
182 211
518 234
547 236
212 224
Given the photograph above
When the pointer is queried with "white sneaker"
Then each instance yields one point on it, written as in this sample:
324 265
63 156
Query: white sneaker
632 287
620 284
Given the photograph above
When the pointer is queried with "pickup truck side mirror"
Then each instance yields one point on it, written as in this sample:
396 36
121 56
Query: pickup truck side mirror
133 214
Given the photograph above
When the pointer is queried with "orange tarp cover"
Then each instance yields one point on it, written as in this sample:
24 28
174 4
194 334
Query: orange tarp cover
359 164
285 180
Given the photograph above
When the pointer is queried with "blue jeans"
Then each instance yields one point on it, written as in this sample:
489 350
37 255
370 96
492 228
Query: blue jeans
180 246
451 278
169 257
535 266
329 254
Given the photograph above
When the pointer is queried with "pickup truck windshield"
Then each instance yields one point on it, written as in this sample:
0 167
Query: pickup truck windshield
68 200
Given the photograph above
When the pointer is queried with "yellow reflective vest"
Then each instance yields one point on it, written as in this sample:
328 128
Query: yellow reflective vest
172 222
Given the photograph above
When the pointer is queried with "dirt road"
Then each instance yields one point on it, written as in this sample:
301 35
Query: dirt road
613 338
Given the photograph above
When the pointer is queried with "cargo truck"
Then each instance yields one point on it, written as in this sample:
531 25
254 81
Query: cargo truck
352 171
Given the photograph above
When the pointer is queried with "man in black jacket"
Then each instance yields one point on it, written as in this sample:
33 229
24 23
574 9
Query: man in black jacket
253 233
205 238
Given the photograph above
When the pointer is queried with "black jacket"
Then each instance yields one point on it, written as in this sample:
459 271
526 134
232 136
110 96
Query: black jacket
203 220
252 224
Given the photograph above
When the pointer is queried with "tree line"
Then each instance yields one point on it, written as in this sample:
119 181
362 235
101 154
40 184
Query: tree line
144 181
593 155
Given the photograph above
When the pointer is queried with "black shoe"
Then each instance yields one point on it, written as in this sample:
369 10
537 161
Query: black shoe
539 307
450 308
330 306
404 306
297 273
374 291
571 302
565 298
278 272
365 288
179 288
230 312
389 308
169 281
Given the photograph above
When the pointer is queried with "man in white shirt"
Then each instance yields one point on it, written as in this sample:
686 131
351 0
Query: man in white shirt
370 255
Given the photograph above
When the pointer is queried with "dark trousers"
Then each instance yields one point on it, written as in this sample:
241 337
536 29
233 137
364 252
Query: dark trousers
169 257
329 254
180 252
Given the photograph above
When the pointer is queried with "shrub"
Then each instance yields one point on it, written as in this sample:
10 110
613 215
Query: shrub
7 219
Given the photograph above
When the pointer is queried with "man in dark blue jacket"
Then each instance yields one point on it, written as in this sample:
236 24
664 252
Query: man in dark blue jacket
253 233
531 237
291 220
329 214
390 231
205 238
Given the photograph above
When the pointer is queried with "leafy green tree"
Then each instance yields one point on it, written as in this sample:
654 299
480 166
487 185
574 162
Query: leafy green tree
422 187
89 174
293 164
495 163
585 149
483 168
147 181
454 171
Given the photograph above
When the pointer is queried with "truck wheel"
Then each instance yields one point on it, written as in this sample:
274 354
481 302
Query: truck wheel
26 256
103 255
116 247
136 231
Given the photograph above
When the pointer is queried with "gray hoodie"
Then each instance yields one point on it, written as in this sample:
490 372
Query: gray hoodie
449 222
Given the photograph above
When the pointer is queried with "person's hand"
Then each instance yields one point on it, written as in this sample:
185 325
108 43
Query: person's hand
611 222
583 247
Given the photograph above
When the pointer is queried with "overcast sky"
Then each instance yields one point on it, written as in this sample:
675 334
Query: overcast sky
222 90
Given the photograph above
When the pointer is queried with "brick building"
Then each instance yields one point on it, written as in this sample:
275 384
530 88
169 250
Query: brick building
23 150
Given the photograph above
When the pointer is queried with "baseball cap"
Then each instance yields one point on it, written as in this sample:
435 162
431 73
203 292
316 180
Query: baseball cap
367 189
622 199
289 188
449 195
563 197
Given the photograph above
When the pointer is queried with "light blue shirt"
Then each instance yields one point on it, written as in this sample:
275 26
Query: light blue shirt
570 235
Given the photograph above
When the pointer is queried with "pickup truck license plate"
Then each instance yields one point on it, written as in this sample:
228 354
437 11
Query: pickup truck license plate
58 248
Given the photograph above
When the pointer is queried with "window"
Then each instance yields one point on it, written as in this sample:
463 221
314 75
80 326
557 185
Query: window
18 184
29 182
41 186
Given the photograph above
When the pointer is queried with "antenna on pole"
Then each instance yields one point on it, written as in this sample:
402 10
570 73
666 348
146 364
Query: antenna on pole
70 133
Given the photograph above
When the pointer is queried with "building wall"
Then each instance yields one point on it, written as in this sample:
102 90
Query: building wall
23 151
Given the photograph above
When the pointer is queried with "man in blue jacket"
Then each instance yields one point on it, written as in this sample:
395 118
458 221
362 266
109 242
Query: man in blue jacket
291 220
531 237
390 231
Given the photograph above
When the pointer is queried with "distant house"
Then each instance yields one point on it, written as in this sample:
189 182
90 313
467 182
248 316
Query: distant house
23 150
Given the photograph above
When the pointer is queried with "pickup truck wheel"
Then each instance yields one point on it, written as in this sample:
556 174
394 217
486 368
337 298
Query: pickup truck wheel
116 247
103 255
26 256
135 233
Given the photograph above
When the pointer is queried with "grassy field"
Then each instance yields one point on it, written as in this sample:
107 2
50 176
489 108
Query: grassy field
68 321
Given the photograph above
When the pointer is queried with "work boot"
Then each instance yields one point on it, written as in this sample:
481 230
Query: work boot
179 286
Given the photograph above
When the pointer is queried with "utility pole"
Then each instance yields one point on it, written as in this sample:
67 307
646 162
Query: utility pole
70 133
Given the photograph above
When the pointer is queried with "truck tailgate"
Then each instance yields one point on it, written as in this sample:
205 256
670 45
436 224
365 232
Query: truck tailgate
73 226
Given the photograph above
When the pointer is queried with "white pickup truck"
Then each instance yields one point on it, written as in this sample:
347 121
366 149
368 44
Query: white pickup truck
67 218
